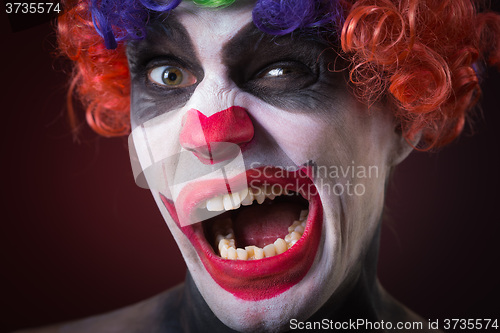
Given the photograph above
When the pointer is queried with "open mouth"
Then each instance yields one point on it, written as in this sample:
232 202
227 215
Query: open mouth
259 223
264 237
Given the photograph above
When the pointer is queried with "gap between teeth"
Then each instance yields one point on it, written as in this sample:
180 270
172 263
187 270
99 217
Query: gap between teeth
228 250
243 197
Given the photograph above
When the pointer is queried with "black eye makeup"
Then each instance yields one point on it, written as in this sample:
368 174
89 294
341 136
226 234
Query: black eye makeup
164 70
283 75
290 72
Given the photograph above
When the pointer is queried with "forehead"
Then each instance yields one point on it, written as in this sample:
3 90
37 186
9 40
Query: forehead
197 33
194 33
223 48
221 23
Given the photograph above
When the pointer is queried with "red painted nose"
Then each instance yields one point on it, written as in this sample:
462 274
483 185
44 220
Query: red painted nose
216 138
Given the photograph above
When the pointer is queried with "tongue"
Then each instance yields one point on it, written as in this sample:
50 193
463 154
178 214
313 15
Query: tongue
261 225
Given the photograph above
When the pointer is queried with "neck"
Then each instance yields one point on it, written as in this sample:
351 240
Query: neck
359 295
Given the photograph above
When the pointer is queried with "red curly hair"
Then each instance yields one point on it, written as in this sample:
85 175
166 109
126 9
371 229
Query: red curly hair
423 56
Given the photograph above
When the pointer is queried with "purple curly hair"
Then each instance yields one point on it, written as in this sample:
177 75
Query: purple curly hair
117 20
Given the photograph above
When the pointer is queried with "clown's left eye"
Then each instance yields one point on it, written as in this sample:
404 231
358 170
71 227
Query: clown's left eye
283 76
286 72
172 76
276 72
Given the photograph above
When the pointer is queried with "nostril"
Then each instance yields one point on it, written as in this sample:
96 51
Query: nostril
202 152
218 137
215 152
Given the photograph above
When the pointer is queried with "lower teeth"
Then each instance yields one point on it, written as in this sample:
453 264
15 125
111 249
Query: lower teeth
228 250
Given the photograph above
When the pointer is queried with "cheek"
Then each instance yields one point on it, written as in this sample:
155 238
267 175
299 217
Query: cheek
352 145
147 104
302 136
339 130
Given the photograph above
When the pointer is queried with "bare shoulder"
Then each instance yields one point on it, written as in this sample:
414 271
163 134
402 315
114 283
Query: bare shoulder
134 318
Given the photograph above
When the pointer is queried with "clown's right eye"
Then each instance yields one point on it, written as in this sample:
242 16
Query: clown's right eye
171 77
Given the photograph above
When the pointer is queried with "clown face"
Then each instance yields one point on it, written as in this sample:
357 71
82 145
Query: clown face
268 172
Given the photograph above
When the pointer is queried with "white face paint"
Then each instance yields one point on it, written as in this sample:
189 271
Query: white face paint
300 112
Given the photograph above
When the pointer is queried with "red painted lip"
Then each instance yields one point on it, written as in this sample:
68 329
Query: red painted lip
256 279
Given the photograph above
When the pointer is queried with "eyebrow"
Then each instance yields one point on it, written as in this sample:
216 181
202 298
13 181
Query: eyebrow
175 40
250 38
242 38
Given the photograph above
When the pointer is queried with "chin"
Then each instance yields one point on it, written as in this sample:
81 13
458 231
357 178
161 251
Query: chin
247 283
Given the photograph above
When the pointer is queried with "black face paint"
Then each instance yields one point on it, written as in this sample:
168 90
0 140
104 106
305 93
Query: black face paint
292 72
167 44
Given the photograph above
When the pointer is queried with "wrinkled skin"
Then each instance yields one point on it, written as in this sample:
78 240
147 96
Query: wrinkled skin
300 111
305 113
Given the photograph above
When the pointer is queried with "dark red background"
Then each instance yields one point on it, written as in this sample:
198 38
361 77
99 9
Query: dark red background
79 238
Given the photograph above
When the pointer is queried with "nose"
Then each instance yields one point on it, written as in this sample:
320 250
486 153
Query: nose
218 137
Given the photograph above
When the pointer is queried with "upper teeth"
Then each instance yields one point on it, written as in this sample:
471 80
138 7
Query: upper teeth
243 197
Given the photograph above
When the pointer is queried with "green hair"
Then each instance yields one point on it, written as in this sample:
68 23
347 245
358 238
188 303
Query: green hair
213 3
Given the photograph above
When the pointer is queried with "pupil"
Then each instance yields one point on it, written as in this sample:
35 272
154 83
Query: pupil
172 76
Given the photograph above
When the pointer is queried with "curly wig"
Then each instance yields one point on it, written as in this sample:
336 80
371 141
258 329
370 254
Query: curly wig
424 57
